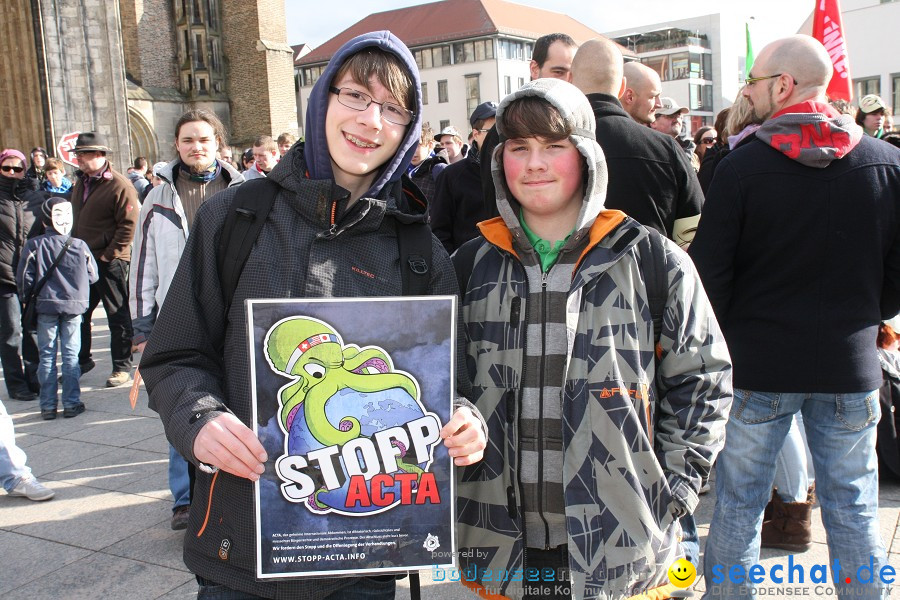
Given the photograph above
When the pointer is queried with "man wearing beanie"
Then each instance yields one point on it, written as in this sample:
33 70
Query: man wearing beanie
186 183
105 208
601 439
20 205
67 269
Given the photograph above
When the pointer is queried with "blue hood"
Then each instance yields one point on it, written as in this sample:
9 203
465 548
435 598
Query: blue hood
318 161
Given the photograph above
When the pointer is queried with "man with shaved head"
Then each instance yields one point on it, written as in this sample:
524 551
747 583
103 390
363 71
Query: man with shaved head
640 96
799 251
650 177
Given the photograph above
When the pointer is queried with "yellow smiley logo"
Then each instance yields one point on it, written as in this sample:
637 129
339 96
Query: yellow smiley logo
682 573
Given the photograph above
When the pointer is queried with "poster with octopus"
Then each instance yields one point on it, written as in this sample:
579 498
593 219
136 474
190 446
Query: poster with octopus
349 396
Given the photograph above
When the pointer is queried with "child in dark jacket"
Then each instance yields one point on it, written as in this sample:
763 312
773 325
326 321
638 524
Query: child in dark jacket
61 302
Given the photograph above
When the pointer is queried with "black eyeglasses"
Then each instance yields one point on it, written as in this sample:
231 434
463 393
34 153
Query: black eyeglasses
8 168
390 112
708 141
751 80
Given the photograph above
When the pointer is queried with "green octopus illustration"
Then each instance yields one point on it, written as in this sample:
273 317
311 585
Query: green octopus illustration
312 352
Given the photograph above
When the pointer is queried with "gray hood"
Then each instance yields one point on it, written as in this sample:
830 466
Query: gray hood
576 111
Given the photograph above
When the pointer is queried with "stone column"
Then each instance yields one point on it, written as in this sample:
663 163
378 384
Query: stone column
84 53
260 67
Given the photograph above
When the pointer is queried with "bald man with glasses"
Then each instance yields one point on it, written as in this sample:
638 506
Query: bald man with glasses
799 251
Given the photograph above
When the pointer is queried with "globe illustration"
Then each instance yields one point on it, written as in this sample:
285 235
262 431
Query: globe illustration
376 411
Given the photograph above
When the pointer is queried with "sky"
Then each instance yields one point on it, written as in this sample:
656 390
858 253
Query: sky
783 17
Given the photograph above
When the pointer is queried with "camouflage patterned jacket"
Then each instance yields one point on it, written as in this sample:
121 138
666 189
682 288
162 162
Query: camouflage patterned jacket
638 437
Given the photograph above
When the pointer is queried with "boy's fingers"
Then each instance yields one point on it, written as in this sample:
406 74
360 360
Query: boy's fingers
228 444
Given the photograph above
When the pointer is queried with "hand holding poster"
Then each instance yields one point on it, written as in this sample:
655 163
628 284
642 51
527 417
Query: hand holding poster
349 398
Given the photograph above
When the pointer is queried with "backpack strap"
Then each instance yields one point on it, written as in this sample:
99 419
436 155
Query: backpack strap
414 242
654 268
464 261
250 208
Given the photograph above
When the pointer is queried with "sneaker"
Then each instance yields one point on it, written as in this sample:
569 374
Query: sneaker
48 415
32 489
73 411
24 395
180 517
118 378
85 366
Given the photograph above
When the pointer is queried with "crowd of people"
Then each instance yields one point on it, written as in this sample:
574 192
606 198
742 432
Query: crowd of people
639 305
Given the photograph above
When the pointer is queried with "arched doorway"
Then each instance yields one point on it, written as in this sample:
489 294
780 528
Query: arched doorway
143 139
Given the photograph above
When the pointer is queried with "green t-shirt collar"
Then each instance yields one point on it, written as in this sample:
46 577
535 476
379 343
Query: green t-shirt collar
547 252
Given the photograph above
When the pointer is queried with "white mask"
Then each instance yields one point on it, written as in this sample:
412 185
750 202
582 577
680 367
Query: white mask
61 217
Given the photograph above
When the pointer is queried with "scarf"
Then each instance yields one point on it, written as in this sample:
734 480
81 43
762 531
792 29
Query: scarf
204 176
812 133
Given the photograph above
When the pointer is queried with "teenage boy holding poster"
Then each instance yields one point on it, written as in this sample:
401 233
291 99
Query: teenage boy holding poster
332 232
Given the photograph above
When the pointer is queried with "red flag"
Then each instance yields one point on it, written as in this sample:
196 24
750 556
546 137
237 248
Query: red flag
828 29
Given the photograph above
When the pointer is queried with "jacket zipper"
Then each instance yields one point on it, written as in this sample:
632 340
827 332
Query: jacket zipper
540 440
518 472
212 486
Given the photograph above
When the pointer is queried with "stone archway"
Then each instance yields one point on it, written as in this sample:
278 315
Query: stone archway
143 139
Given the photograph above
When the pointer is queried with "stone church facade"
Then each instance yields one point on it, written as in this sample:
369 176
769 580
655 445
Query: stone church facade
130 68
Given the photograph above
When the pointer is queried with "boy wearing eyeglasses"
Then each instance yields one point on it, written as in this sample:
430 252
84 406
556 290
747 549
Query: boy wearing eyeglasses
20 205
332 232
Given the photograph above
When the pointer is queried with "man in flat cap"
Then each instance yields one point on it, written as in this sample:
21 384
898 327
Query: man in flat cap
105 211
458 203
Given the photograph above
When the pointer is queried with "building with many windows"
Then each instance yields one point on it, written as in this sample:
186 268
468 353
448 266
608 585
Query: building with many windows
700 61
468 52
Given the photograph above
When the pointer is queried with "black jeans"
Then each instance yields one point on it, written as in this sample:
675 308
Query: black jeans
11 335
112 289
547 574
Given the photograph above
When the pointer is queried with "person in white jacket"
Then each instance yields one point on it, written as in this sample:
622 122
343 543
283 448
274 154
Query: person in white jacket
163 226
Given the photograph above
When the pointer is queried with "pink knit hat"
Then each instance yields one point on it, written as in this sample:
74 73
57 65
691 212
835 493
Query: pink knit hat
12 153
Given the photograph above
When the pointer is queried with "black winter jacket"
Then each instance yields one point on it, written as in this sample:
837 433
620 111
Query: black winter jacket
426 173
458 206
650 176
708 164
20 210
198 357
801 264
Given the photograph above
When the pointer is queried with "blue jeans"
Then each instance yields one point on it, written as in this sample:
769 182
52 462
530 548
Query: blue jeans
690 540
179 480
367 588
12 460
64 329
841 433
792 473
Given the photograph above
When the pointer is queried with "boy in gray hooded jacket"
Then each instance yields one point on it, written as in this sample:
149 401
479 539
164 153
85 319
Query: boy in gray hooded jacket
596 447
